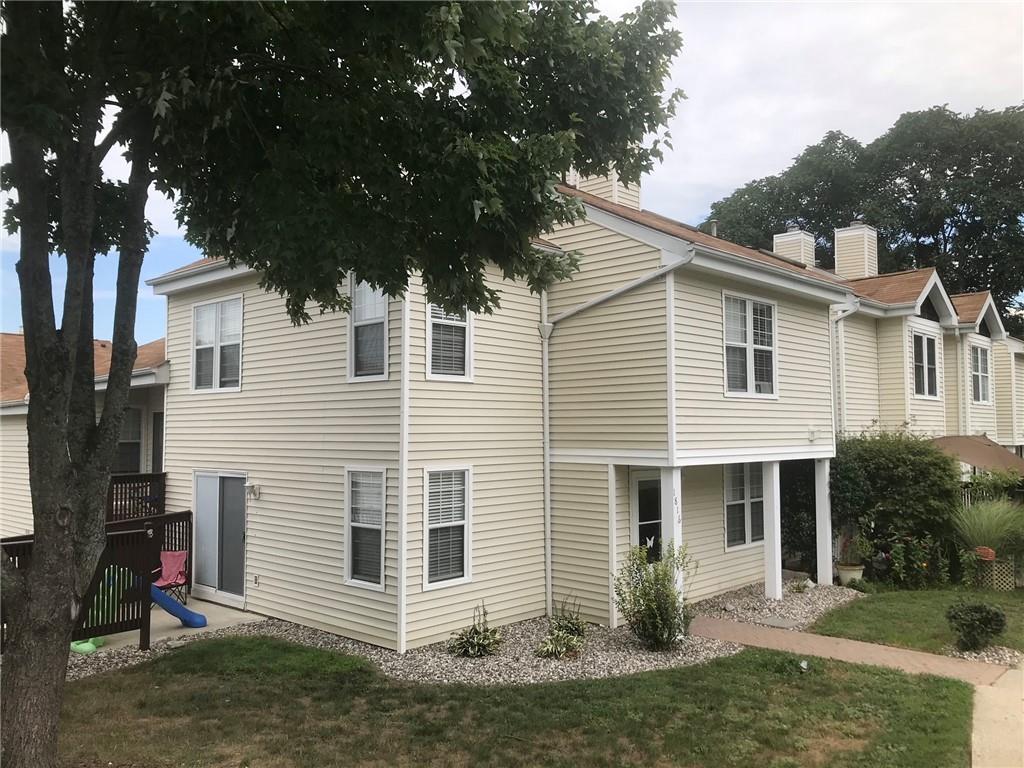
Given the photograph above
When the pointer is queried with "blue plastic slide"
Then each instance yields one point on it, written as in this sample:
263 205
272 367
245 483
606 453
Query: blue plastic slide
188 618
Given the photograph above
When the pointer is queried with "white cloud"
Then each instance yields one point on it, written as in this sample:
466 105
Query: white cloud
765 80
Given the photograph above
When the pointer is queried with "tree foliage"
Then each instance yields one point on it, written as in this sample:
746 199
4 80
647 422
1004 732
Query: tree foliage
307 141
943 189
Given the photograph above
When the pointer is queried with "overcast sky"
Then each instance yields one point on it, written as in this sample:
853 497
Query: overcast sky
763 80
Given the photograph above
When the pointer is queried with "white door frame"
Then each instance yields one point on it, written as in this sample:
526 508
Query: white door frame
201 591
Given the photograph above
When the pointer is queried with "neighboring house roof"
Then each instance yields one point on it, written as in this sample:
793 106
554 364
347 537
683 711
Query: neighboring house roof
14 387
969 306
980 452
894 287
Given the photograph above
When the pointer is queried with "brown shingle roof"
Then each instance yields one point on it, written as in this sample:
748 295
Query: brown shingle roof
895 287
969 305
692 234
980 452
14 387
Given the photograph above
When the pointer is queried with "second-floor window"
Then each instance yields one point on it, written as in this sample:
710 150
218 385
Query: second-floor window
368 337
749 346
217 345
129 445
926 380
449 342
980 380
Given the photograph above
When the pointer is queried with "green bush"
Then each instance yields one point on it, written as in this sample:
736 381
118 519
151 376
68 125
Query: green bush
796 486
649 599
559 644
975 624
567 619
861 585
994 485
894 484
913 562
997 523
476 640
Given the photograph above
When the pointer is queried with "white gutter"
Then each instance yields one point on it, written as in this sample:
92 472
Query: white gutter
845 310
545 333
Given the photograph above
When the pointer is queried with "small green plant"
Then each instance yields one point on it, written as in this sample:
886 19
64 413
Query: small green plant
915 563
975 624
649 598
994 523
798 588
559 644
855 549
568 619
861 585
476 640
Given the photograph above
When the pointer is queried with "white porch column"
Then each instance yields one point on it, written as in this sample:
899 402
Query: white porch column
672 506
823 520
772 532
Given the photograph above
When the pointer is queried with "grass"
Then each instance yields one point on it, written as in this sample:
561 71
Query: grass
917 619
263 702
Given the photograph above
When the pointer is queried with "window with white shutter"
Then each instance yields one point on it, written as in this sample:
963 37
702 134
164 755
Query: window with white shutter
449 344
365 547
368 333
749 346
447 526
217 345
744 504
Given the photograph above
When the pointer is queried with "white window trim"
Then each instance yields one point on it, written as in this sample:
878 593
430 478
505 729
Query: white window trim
216 347
467 554
468 376
914 332
350 365
749 394
350 581
747 501
987 376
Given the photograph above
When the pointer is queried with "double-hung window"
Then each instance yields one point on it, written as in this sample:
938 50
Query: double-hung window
217 345
368 338
129 444
749 346
447 519
980 380
366 527
744 504
449 340
926 380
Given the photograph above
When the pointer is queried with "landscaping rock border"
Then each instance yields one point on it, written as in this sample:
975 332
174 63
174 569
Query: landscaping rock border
994 654
608 653
802 604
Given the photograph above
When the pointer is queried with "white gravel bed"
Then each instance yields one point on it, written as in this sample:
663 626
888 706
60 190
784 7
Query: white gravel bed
608 653
797 609
994 654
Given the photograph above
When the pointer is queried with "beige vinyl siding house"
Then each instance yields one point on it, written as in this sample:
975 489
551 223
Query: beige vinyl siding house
292 429
857 353
492 426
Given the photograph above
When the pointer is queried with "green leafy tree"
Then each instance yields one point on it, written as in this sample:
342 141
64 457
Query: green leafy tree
944 189
305 141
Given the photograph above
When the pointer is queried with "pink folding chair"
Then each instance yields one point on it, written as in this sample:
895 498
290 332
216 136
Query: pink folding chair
173 577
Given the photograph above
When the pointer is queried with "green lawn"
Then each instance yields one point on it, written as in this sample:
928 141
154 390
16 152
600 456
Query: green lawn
262 702
917 619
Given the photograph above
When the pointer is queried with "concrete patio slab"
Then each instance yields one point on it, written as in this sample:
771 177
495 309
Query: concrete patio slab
163 626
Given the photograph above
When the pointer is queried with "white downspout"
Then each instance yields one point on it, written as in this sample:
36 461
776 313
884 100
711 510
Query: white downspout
839 392
545 329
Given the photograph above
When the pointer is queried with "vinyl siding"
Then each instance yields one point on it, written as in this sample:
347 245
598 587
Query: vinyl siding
982 415
954 389
708 420
1009 409
607 261
893 384
608 376
610 188
1018 390
926 416
15 491
15 494
293 428
579 537
859 398
717 570
493 424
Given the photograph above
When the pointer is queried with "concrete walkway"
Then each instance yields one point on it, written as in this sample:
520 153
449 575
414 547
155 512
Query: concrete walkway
997 740
163 626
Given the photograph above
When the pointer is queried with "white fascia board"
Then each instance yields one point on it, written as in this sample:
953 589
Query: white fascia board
934 282
995 322
213 273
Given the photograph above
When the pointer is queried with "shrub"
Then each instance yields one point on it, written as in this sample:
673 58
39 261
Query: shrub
913 563
649 599
559 644
855 549
891 484
860 585
994 485
975 624
568 619
995 523
476 640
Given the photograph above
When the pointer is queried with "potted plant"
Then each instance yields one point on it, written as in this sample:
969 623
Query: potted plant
853 550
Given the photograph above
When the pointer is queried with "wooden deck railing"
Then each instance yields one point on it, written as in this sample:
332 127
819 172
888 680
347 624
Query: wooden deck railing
118 598
136 495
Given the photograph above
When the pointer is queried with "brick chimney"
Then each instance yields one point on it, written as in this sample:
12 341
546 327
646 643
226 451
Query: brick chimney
856 251
796 244
609 187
